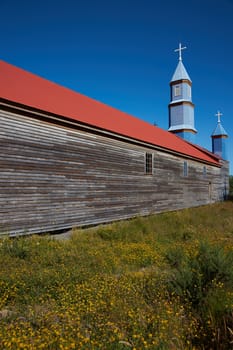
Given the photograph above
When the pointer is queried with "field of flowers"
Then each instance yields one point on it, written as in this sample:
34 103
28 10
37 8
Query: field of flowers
160 282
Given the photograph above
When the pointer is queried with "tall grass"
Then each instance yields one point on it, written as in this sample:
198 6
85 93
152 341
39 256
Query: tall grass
159 282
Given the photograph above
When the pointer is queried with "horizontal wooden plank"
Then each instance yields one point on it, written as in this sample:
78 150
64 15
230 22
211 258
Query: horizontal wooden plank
54 177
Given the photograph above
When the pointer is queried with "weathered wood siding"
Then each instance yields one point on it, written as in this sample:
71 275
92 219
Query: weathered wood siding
55 176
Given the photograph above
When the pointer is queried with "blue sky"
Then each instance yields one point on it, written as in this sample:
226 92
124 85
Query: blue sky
122 53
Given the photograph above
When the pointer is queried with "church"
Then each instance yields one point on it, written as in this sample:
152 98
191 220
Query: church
70 161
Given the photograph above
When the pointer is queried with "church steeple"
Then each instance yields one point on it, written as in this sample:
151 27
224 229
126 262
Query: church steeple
219 137
181 108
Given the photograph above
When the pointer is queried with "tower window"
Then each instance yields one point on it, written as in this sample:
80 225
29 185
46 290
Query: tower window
148 164
177 90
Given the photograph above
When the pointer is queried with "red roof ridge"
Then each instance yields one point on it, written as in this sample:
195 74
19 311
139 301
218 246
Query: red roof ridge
28 89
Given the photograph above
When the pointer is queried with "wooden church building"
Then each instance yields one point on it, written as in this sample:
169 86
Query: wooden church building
67 160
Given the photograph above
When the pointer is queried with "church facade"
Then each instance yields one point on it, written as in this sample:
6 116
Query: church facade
67 160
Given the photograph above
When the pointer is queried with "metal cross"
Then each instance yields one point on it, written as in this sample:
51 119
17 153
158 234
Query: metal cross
218 114
180 50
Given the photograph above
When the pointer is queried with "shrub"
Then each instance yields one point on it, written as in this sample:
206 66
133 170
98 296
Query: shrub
205 280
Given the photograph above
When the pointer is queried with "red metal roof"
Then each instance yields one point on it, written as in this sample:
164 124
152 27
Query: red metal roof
20 86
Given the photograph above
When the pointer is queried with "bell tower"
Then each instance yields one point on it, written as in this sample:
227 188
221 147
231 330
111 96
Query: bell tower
219 137
181 108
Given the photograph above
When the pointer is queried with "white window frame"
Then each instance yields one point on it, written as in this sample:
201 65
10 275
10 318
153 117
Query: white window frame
149 163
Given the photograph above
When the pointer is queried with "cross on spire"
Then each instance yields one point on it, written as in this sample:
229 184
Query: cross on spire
219 114
180 51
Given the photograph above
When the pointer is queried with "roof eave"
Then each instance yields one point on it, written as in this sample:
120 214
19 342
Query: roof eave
70 121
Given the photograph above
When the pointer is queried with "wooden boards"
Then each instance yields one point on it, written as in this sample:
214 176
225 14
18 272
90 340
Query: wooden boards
55 176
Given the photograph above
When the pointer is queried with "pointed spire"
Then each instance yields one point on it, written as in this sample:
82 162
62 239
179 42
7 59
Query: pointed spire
219 130
180 72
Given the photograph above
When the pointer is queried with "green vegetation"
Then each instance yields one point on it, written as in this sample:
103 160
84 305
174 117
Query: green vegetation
159 282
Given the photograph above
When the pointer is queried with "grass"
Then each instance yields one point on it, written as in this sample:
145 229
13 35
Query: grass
159 282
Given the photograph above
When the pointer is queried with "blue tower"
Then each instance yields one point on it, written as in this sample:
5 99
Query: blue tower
181 108
219 137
